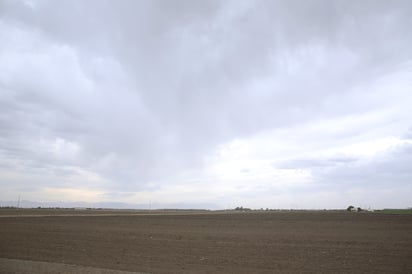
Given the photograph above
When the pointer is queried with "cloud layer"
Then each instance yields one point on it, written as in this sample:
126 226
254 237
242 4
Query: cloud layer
263 103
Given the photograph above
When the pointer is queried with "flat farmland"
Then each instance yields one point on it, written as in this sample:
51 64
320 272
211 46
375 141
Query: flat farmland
209 242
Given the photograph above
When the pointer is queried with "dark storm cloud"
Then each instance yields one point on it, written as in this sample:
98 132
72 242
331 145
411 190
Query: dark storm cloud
139 91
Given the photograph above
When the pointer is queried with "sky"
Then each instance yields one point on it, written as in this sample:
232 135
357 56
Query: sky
212 104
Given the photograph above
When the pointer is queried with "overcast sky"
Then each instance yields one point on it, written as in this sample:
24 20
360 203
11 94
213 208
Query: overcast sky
279 104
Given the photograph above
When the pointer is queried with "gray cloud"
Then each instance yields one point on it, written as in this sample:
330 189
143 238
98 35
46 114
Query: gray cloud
304 163
384 170
140 92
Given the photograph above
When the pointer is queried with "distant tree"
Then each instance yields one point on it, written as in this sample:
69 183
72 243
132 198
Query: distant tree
241 208
359 209
350 208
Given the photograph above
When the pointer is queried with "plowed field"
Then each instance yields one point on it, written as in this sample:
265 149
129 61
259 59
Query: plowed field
212 242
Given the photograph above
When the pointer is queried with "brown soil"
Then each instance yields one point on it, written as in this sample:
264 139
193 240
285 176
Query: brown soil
254 242
14 266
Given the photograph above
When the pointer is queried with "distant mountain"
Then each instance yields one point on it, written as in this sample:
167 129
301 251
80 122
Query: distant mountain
114 205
